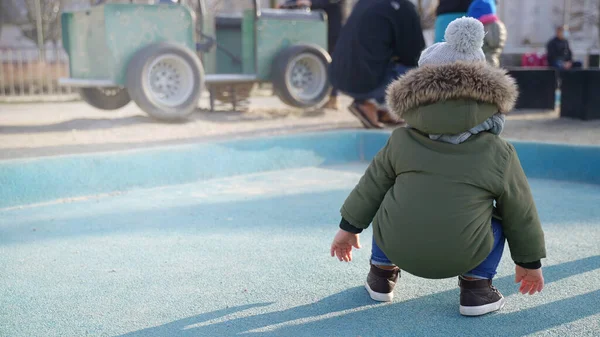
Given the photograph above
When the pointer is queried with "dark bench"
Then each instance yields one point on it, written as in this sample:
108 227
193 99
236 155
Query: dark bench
537 87
580 94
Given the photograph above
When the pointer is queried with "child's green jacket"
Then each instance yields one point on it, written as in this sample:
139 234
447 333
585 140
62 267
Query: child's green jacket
430 202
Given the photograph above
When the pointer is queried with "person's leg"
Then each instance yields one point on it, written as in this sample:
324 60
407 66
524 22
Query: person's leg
487 268
442 22
365 110
440 29
332 103
378 257
334 27
382 277
384 114
394 71
477 294
370 107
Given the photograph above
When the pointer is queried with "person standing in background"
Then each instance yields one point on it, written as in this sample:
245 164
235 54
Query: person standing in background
335 10
495 31
448 11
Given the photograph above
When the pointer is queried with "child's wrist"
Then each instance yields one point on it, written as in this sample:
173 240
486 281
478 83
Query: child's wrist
530 265
346 226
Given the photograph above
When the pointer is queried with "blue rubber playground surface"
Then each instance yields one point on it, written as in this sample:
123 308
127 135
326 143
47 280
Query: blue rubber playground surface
232 238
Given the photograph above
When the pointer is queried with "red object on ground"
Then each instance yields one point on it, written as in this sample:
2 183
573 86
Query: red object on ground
534 60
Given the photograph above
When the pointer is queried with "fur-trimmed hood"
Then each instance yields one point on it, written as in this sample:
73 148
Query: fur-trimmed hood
451 98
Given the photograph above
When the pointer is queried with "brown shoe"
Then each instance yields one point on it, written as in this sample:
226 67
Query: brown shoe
479 297
332 103
367 114
387 118
381 282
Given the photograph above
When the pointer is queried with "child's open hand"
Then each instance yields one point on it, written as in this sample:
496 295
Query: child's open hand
532 280
342 245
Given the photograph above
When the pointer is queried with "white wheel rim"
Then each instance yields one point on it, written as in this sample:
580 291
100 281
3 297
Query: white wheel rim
169 80
306 77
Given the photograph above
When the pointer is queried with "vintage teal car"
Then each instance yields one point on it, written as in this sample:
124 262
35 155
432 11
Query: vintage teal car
163 56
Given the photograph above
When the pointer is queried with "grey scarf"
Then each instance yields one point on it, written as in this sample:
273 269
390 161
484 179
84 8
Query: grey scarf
494 124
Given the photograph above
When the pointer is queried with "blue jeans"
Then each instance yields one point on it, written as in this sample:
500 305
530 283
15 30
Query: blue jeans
394 71
560 64
486 269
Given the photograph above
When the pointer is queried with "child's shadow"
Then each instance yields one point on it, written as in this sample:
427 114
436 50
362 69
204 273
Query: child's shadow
347 299
431 315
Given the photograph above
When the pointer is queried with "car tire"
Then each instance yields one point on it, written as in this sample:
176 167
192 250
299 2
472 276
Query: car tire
165 80
300 77
105 98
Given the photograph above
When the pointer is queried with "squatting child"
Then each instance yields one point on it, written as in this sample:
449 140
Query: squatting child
446 191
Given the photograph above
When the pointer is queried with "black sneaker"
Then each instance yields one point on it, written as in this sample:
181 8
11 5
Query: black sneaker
381 282
479 297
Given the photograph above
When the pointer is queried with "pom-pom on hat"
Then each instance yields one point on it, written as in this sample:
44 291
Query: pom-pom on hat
463 42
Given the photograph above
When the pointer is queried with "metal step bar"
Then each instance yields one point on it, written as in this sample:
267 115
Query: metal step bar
208 79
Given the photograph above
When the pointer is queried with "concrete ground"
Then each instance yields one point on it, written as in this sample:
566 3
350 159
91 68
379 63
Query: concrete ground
28 130
240 256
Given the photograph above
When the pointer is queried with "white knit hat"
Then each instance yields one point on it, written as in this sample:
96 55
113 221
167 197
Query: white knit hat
464 39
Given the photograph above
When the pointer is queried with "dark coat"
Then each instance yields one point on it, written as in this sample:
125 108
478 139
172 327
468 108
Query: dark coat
376 33
335 10
558 50
453 6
